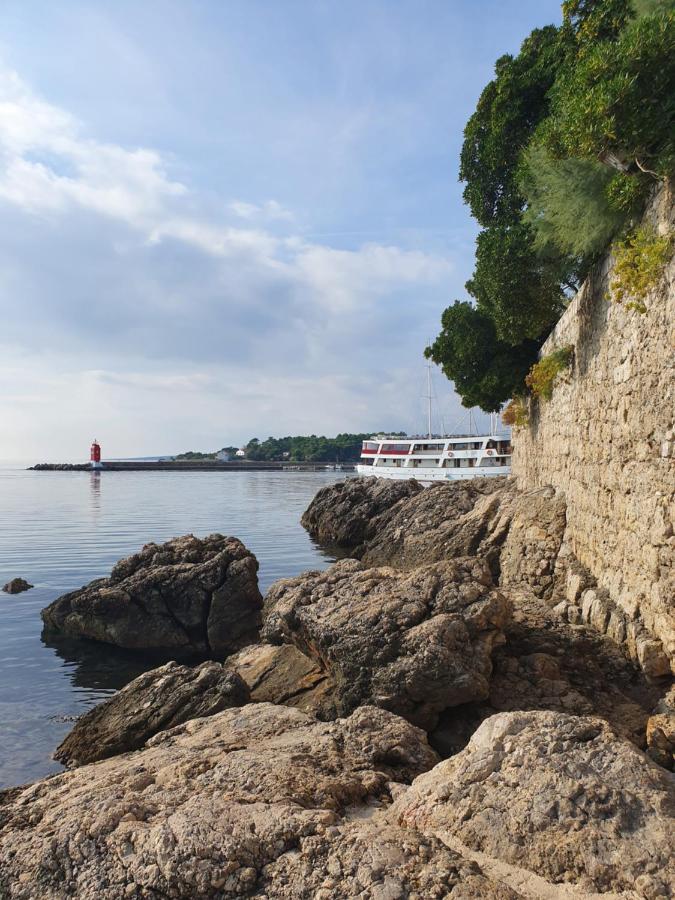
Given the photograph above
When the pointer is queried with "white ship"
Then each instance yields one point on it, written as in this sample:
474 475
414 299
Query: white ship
437 458
431 459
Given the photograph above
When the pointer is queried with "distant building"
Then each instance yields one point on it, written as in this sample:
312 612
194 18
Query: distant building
241 452
223 456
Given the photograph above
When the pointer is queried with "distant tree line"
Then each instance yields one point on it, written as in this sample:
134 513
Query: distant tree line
301 448
309 448
562 151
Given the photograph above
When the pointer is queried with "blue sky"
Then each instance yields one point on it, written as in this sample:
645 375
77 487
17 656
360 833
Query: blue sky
232 218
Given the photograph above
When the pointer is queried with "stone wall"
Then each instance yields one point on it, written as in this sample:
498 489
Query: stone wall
606 440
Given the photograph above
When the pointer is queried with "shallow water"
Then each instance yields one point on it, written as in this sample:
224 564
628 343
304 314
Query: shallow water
59 530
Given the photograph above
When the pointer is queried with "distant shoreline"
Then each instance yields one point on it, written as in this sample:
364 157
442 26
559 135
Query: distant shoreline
208 465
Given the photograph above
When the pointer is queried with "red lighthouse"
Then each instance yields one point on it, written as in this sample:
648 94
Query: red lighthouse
95 455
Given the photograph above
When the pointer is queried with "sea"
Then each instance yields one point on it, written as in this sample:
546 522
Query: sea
60 530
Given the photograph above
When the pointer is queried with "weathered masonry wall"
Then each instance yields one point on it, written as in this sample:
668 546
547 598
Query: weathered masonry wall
607 441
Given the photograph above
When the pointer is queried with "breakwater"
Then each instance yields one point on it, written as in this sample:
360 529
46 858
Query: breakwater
209 465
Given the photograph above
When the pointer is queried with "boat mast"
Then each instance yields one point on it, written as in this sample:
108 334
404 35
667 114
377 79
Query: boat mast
428 399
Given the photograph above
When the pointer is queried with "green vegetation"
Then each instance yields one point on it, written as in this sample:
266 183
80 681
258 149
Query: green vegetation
564 146
197 455
485 370
302 448
516 413
640 260
343 448
543 373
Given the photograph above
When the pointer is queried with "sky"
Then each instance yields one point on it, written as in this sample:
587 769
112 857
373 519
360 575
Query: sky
225 219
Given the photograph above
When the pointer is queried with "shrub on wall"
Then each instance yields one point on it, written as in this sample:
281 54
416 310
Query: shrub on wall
543 374
516 413
639 263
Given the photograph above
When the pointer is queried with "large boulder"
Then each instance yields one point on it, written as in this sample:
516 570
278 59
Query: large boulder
548 664
559 795
411 642
342 514
283 675
441 522
519 533
208 808
159 699
189 596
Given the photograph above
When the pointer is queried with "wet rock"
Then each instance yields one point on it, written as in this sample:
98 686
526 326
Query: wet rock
283 675
188 596
559 795
159 699
661 731
342 514
205 807
411 642
16 586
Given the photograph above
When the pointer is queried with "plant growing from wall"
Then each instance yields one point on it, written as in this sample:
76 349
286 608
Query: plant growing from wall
516 413
543 374
640 260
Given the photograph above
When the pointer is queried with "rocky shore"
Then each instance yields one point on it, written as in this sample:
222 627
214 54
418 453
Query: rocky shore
448 712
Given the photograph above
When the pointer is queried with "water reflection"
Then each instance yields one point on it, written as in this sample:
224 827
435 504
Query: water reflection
59 531
97 667
95 492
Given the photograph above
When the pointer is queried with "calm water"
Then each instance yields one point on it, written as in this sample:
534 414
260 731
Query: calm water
61 529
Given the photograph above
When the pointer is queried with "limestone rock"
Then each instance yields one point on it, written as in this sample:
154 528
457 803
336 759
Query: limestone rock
414 643
284 675
341 514
16 586
377 860
531 547
559 795
205 807
188 596
548 664
159 699
441 522
661 731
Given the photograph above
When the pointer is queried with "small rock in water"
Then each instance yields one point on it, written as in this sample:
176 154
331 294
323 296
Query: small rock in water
16 586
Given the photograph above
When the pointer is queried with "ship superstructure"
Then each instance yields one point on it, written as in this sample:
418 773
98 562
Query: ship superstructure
431 459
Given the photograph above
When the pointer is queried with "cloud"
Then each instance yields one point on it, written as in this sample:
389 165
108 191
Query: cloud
155 317
270 211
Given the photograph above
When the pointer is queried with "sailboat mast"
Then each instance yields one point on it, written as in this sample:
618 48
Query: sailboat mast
428 399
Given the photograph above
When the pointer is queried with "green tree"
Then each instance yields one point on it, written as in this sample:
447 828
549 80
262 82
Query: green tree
617 104
557 160
569 207
485 370
508 111
520 291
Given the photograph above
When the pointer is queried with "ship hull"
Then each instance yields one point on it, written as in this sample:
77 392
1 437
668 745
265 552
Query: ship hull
429 475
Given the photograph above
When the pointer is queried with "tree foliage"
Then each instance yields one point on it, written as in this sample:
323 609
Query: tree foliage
617 103
508 111
569 205
519 291
308 448
558 158
485 370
